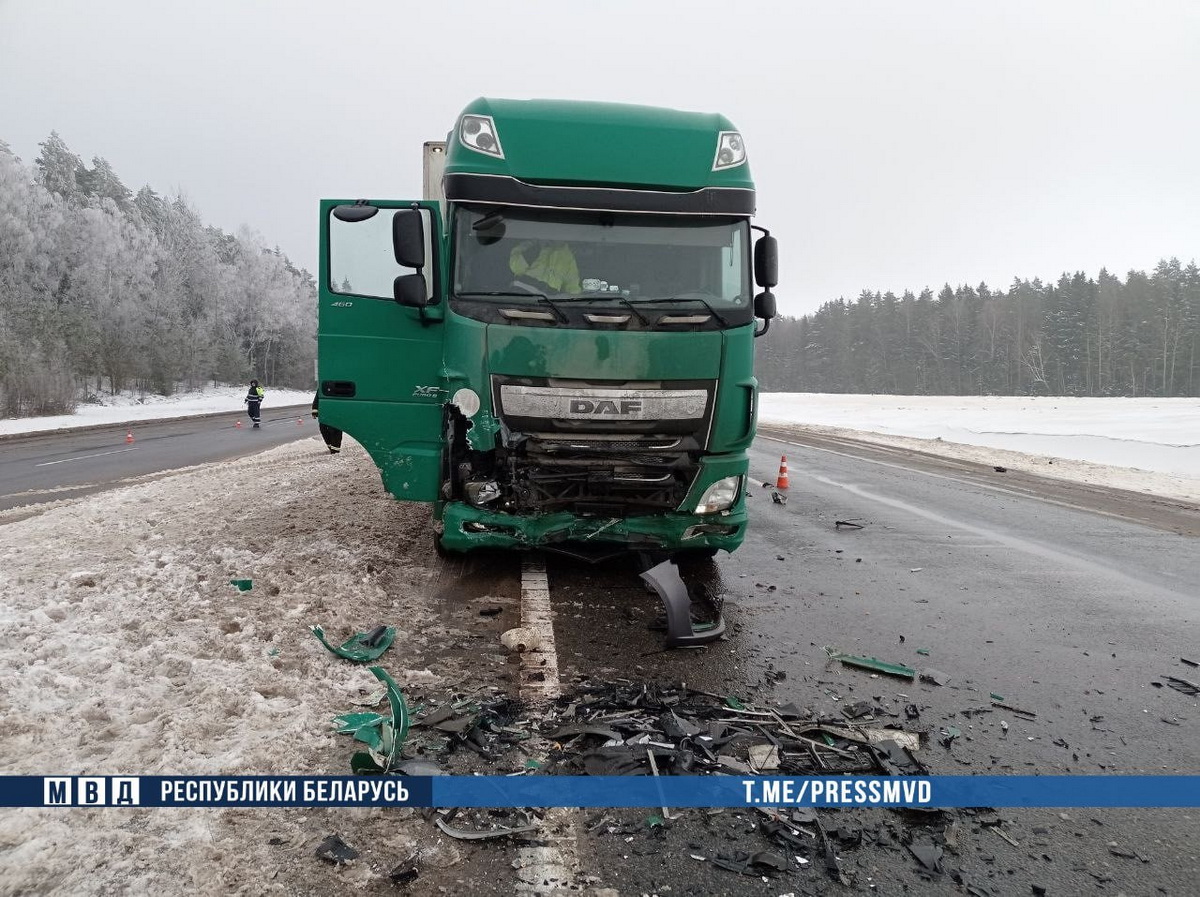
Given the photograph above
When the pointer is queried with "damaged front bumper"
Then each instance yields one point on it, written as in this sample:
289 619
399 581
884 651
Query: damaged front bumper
465 528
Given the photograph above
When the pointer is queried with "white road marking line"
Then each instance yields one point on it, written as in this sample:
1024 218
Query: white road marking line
85 457
552 864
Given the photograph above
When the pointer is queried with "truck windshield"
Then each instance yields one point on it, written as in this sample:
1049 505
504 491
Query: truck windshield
511 252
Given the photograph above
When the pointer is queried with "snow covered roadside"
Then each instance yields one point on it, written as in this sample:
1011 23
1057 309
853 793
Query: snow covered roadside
128 409
1142 445
124 649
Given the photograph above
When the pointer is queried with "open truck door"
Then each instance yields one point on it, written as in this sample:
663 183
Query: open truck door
381 334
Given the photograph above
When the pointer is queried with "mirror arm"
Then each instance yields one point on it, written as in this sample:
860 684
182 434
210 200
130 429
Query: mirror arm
766 327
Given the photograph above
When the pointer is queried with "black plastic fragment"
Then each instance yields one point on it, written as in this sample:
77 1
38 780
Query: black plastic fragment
1187 686
858 709
372 638
433 717
334 850
929 856
405 872
676 728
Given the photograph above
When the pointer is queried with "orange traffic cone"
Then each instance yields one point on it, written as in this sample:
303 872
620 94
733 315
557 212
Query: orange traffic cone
238 425
782 482
129 437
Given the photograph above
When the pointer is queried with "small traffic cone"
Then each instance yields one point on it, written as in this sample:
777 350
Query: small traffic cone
128 437
238 425
782 482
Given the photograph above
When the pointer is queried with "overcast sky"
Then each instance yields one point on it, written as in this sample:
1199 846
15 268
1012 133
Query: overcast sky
895 145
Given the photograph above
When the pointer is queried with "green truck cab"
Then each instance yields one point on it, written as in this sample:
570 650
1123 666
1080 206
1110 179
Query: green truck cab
555 345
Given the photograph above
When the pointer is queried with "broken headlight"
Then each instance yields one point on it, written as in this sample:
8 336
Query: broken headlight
480 492
720 496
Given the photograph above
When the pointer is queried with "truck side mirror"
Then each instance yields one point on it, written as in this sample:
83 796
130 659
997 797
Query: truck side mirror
410 290
764 305
408 239
352 214
766 262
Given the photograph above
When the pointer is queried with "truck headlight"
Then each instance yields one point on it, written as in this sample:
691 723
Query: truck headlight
731 151
478 132
720 496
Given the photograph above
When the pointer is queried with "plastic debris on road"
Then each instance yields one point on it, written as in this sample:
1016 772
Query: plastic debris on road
362 647
872 663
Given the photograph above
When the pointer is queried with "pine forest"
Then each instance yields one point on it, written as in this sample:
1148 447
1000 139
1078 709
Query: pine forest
1079 337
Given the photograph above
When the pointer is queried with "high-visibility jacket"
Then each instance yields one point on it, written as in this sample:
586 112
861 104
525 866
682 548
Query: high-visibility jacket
554 266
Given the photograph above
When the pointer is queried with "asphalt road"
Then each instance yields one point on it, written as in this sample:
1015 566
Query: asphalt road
62 464
1061 604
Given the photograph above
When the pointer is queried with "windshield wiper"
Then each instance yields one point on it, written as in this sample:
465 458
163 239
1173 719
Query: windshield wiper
529 294
602 297
686 298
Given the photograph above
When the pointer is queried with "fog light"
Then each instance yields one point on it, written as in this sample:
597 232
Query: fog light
720 496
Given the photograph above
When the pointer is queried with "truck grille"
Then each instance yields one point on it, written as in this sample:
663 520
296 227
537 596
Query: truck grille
601 477
599 448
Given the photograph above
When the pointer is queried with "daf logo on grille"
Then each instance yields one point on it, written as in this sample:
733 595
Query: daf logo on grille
606 406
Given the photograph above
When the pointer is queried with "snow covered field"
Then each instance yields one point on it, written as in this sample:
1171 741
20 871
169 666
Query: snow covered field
1144 445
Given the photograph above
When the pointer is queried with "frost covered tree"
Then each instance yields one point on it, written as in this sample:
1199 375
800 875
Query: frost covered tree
58 167
105 289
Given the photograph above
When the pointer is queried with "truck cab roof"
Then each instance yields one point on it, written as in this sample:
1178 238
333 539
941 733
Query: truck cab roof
602 145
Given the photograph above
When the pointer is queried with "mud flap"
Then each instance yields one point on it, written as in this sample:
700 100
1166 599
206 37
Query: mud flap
665 580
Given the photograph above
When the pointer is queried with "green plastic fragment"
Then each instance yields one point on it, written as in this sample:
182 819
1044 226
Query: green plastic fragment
874 663
923 651
654 821
372 736
532 764
354 648
734 704
384 735
243 585
396 731
363 764
996 697
349 723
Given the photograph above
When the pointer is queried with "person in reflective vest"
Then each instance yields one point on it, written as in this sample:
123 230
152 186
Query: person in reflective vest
254 399
554 265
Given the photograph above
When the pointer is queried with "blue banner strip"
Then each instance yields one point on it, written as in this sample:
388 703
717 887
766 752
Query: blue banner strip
599 791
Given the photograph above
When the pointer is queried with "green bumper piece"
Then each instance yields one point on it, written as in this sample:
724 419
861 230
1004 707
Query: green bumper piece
467 528
873 663
362 647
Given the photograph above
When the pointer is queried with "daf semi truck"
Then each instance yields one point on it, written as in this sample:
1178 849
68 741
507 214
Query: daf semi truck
555 344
